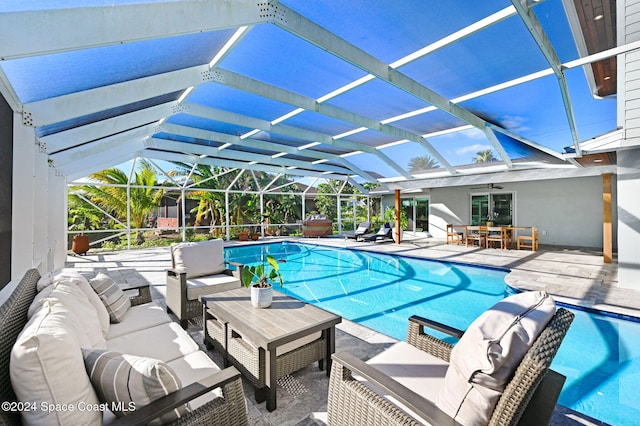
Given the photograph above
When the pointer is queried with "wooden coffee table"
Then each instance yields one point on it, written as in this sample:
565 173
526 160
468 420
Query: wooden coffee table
251 333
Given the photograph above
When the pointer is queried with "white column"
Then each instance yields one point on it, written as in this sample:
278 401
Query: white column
629 218
24 206
57 212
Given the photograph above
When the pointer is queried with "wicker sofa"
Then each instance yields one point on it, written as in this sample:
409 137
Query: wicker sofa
52 326
496 374
317 225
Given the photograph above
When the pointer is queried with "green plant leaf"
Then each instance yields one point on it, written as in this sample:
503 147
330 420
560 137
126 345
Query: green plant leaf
247 276
273 262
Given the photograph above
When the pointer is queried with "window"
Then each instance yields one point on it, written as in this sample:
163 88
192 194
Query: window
497 208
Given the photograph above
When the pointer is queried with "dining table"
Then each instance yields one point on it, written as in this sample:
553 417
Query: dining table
509 231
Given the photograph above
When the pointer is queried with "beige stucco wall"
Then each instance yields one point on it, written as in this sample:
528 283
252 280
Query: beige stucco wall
568 212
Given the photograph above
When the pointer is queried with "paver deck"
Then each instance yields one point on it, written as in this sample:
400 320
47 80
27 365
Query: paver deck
577 275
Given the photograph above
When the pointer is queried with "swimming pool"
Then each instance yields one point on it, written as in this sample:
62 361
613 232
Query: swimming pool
600 355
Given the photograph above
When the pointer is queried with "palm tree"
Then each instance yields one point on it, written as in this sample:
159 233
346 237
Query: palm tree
485 156
82 216
422 163
113 199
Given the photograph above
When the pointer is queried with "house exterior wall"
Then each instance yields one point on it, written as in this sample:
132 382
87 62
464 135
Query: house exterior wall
628 182
629 72
568 212
629 218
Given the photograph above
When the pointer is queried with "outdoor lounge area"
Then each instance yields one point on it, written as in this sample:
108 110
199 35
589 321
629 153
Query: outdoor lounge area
302 396
265 205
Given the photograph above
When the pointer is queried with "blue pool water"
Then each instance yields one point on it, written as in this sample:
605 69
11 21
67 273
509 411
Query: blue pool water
600 355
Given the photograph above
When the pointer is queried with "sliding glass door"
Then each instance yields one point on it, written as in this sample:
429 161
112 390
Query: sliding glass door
496 208
417 211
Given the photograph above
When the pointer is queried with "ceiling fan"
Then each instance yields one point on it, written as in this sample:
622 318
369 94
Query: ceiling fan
489 186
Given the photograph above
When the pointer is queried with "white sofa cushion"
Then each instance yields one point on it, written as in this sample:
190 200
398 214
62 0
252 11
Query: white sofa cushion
139 317
485 358
193 367
114 299
165 342
67 295
125 382
201 286
59 274
198 259
47 366
414 368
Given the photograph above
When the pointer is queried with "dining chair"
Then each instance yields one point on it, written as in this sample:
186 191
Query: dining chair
529 241
475 233
496 234
453 236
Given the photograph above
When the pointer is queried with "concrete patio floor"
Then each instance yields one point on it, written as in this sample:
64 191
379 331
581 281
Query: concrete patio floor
575 275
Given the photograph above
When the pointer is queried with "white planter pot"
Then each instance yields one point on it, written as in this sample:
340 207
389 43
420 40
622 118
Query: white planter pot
395 237
261 297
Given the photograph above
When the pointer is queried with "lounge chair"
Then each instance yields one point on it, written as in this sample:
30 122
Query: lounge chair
363 228
428 381
384 233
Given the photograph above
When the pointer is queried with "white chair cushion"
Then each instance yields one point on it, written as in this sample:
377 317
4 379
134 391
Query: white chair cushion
165 342
47 366
125 382
139 317
201 286
200 258
488 353
193 367
114 299
417 370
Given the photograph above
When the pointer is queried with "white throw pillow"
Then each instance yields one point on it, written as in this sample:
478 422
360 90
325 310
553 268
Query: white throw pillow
488 353
200 258
126 382
114 299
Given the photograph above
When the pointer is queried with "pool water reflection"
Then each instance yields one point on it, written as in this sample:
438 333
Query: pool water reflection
600 355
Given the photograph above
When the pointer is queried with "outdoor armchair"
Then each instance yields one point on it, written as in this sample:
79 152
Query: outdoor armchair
412 383
198 269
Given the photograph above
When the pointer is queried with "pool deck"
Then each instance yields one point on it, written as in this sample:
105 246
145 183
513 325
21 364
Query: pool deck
574 275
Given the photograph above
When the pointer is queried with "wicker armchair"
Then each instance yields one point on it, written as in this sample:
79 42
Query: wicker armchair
197 269
529 397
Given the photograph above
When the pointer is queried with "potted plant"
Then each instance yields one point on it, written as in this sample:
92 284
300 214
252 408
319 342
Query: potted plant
261 279
243 235
390 216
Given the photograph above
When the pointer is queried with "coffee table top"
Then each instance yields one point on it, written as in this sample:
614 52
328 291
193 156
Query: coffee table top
287 319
